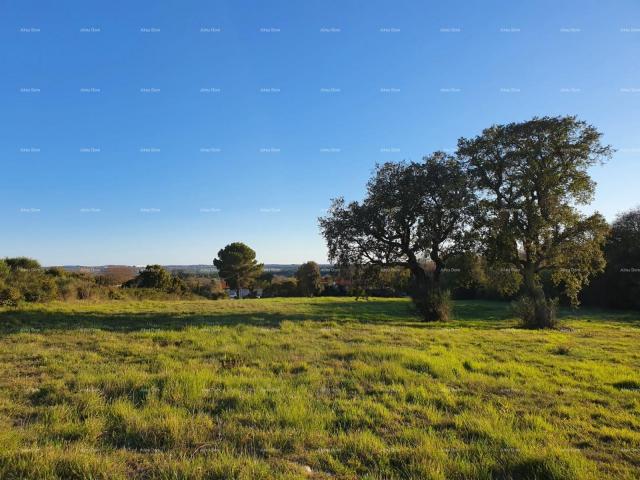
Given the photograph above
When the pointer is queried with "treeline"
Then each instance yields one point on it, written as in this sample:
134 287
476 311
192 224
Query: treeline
470 276
466 276
23 279
619 285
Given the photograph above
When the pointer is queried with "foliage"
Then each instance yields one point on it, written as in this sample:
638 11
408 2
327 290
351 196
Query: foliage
153 276
465 273
37 285
394 280
237 266
531 176
281 287
4 269
204 286
22 263
158 278
9 296
22 278
619 285
436 303
411 210
308 277
527 310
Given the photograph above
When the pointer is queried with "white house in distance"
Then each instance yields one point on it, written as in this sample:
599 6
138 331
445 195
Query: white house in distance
244 292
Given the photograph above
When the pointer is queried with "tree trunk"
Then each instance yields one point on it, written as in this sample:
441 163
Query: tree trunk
437 261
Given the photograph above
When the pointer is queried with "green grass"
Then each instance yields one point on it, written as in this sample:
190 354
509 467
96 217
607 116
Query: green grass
315 388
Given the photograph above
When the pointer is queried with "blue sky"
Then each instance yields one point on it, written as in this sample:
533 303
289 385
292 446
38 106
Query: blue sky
157 132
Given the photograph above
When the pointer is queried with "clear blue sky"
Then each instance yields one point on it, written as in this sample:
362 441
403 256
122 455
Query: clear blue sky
145 131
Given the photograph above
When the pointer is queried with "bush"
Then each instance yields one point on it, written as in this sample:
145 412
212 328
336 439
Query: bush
37 287
153 276
84 292
334 291
116 275
309 278
26 280
35 284
282 287
205 287
433 305
536 314
22 263
10 296
4 270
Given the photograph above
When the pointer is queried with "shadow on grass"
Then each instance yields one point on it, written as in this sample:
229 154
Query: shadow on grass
42 320
467 314
25 321
599 315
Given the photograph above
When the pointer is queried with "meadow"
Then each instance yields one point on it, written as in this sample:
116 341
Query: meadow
315 388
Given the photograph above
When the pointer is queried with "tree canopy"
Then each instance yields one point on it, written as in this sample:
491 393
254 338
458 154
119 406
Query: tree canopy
237 265
411 212
308 276
22 263
619 286
154 276
531 176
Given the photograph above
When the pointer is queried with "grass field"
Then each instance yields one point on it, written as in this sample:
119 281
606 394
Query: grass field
315 388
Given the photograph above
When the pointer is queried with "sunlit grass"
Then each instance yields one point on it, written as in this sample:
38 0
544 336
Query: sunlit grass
315 388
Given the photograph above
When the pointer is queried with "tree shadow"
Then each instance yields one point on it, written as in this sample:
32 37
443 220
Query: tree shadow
377 312
466 314
600 315
38 321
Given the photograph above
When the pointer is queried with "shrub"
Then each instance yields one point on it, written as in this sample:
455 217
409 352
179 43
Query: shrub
37 287
433 304
536 313
9 296
4 270
562 350
84 292
153 276
22 263
282 287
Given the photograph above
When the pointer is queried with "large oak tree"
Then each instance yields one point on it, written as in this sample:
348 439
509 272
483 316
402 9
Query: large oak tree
412 212
532 175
